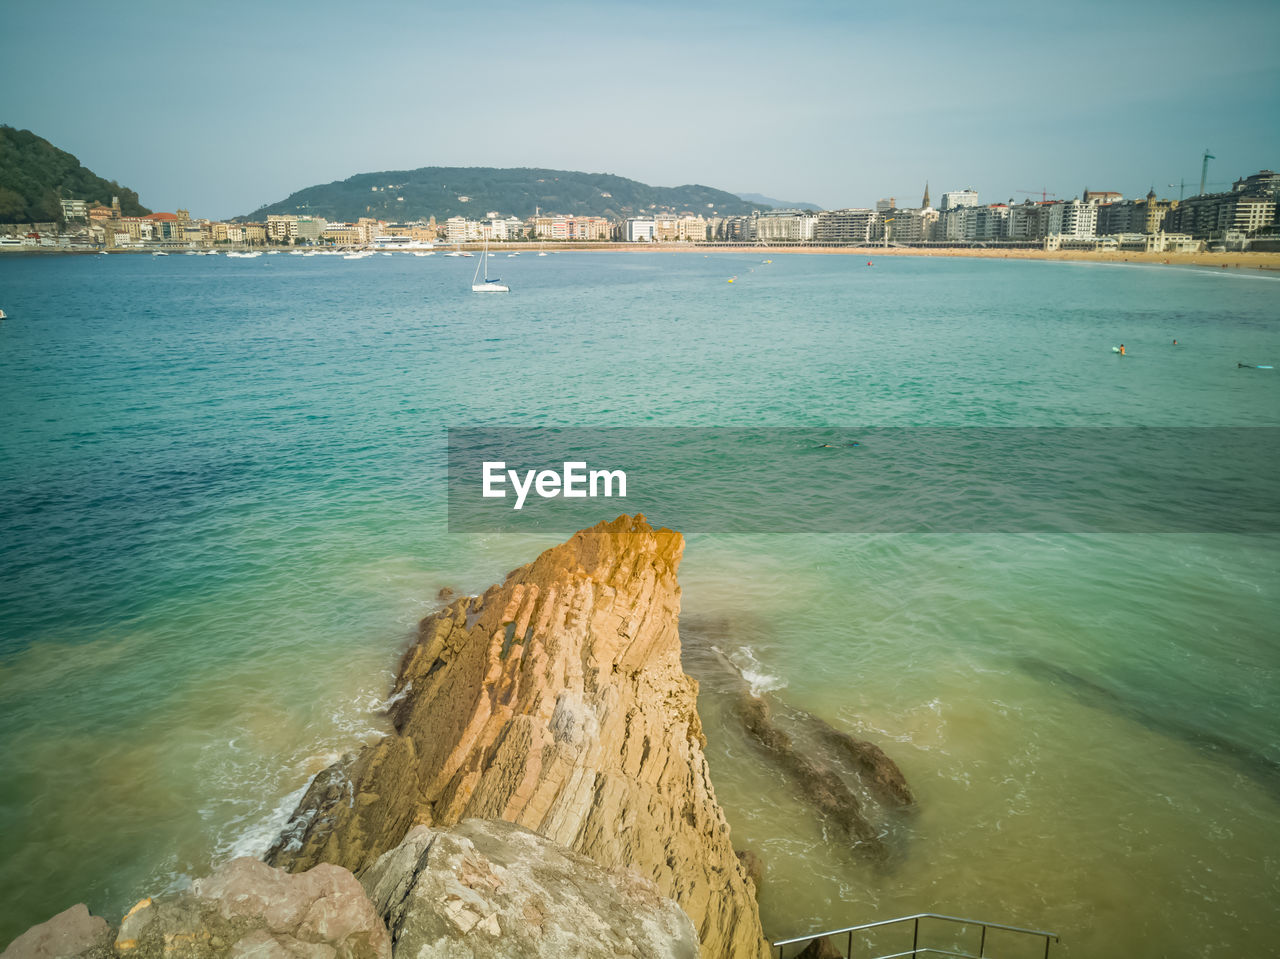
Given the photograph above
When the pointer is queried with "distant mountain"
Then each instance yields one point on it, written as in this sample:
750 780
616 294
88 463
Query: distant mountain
472 192
761 200
34 174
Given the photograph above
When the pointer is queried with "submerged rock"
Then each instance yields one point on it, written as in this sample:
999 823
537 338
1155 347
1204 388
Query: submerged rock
492 890
557 701
818 784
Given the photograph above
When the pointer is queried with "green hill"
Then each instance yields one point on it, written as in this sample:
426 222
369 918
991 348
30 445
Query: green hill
472 192
34 174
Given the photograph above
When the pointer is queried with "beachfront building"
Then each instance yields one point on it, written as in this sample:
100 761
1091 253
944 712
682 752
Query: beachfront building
794 226
1215 214
1262 182
973 224
168 227
341 234
640 230
959 198
1036 219
733 229
1077 219
561 227
905 226
679 228
1133 216
457 229
845 226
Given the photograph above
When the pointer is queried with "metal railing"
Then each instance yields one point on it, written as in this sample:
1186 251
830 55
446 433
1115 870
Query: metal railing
917 949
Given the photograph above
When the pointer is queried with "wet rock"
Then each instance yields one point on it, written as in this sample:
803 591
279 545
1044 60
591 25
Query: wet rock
753 865
874 767
555 700
821 786
493 890
820 948
72 932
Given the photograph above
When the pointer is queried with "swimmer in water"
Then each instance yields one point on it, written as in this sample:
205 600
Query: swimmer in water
1175 342
1122 349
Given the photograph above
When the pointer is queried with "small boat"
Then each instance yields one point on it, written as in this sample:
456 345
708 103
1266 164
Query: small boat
3 315
427 254
159 253
488 285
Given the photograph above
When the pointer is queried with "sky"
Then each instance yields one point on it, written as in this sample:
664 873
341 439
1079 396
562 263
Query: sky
219 108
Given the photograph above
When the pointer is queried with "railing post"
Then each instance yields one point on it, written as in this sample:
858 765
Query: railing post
915 937
1046 947
982 943
849 952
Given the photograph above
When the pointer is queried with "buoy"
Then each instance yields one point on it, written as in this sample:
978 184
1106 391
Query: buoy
868 262
732 278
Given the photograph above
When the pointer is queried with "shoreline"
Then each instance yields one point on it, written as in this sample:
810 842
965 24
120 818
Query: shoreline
1243 260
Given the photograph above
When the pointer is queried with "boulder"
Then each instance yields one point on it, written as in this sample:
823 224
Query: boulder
249 909
72 932
486 889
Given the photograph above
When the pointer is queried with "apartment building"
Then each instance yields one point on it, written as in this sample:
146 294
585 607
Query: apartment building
845 226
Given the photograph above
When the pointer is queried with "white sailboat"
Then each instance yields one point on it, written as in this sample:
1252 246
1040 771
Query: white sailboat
488 286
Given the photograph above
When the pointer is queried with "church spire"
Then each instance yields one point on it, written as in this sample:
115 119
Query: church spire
924 204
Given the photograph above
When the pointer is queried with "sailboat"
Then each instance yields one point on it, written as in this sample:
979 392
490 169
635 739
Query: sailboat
488 286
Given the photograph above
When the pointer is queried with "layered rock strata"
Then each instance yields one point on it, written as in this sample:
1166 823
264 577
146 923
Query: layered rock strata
556 701
493 890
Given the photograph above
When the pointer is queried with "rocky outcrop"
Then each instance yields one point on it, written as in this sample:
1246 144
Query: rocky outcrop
72 932
493 890
245 909
556 701
483 889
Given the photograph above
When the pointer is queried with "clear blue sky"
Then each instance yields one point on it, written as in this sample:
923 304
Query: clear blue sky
222 106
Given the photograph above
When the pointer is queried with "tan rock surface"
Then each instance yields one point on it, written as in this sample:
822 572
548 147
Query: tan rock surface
557 701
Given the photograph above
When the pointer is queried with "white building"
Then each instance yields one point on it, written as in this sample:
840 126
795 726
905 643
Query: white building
1078 219
786 225
959 198
640 230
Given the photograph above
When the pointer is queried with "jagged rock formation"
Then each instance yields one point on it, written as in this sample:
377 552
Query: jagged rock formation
483 889
557 701
493 890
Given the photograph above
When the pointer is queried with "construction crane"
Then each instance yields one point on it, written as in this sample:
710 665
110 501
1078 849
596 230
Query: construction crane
1044 194
1204 168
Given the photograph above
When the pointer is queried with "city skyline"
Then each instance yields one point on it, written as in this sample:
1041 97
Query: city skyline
224 109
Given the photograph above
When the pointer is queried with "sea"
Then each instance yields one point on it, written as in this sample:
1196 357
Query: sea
223 510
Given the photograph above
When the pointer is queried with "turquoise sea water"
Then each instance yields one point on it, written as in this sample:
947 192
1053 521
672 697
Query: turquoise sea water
222 512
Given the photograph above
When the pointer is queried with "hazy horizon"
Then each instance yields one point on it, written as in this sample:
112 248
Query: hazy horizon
225 108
